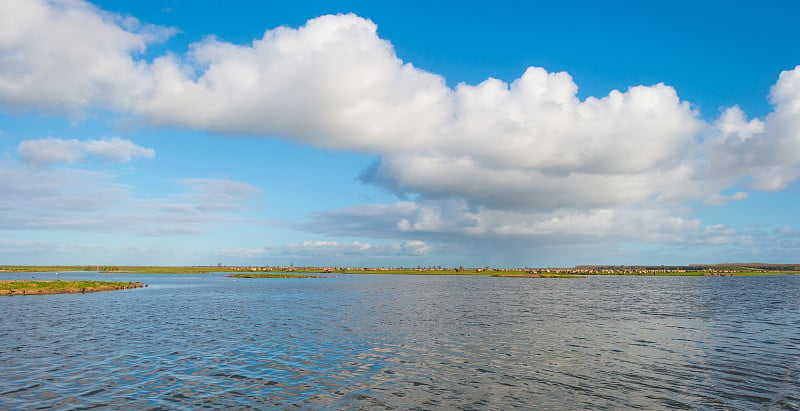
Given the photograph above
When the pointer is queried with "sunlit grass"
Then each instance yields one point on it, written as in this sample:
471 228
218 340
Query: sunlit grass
116 269
28 287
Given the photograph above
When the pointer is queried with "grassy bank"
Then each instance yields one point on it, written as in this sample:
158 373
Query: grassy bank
166 270
25 287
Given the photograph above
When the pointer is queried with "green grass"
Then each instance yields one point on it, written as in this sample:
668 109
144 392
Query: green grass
705 274
27 287
115 269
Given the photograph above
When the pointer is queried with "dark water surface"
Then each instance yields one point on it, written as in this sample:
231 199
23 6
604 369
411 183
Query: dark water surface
400 342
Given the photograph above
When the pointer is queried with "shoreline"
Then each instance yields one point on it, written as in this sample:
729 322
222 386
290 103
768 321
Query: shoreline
272 275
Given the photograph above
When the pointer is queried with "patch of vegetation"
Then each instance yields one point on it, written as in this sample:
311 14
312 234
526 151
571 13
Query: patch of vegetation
28 287
537 275
114 269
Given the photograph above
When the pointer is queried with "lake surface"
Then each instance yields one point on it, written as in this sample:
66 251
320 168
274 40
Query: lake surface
405 342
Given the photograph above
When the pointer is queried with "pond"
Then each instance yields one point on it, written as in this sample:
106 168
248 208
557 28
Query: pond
404 342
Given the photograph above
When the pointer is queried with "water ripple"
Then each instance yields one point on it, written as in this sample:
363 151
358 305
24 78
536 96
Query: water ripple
404 342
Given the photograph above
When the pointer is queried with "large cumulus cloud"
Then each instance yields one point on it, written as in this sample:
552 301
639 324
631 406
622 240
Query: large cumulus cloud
528 145
334 83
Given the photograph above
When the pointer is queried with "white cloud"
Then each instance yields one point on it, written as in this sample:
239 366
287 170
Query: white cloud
721 199
372 220
528 145
118 150
765 153
64 56
212 194
38 153
45 152
442 221
332 83
787 232
30 197
335 84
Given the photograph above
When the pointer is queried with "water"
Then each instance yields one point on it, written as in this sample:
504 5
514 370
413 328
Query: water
405 342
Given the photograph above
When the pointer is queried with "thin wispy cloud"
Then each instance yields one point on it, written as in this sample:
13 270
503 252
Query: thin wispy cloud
88 201
45 152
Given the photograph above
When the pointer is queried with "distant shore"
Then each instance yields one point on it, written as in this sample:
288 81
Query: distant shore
750 269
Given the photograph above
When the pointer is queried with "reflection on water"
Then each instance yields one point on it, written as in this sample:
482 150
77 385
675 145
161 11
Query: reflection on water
398 342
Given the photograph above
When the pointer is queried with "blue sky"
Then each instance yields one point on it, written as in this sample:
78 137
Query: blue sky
360 133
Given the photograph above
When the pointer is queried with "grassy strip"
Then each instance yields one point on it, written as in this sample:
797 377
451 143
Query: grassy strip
116 269
26 287
272 275
551 274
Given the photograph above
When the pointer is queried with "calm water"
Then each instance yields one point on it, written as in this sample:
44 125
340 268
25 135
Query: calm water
400 342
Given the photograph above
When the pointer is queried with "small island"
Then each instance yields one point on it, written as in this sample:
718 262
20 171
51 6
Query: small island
272 275
537 275
31 287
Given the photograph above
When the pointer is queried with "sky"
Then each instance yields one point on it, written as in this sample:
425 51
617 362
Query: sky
417 133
